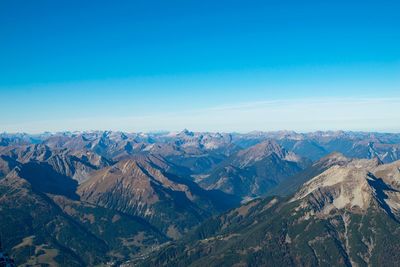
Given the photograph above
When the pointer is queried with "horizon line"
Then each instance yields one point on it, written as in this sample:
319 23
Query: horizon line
194 131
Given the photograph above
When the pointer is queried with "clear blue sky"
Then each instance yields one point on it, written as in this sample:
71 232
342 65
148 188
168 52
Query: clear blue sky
205 65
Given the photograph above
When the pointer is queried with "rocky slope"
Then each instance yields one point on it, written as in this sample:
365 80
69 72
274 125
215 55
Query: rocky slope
39 225
142 186
254 171
71 163
345 216
290 186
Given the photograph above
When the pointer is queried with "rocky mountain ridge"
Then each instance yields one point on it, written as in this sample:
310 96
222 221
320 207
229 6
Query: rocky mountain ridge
345 216
174 198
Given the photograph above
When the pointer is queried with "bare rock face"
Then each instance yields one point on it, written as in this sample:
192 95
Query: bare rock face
387 187
356 186
291 185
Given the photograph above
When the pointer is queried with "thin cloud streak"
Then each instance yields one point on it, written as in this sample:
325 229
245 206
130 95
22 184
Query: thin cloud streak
305 101
363 114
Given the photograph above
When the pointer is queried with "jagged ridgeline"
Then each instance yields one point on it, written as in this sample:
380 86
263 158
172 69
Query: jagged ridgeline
192 198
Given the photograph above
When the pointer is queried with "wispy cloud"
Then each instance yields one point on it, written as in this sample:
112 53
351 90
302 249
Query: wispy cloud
305 101
366 114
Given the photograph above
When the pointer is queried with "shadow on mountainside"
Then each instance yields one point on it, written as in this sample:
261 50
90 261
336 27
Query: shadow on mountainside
380 187
45 179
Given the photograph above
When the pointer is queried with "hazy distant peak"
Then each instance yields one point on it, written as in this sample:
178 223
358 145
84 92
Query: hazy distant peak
187 132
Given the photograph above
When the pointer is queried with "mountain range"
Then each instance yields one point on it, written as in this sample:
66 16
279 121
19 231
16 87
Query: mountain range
347 215
193 198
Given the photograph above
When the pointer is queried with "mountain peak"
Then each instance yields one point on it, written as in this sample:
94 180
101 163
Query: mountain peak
186 132
262 150
265 149
350 186
339 187
334 158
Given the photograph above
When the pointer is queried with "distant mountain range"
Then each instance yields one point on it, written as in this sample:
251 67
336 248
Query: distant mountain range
192 198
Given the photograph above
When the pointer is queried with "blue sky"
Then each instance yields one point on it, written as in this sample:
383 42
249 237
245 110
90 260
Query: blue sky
204 65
